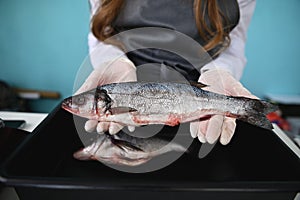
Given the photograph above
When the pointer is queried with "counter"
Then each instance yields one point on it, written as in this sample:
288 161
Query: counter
31 122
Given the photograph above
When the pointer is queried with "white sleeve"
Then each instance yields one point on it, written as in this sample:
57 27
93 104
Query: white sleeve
99 51
233 59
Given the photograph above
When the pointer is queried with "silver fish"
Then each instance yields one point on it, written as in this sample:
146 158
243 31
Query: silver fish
122 149
137 104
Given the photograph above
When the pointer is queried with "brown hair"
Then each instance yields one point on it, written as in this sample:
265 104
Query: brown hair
213 34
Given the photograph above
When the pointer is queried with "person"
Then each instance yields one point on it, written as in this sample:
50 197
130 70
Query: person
219 26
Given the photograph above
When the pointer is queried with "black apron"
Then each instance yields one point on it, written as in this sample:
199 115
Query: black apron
172 48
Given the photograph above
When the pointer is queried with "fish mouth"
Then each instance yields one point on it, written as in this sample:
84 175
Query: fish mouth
68 106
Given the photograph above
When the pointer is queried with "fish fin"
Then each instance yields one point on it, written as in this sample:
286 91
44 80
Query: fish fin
198 84
124 145
256 112
120 110
259 120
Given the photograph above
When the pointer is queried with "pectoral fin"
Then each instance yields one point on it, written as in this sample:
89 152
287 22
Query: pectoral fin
120 110
124 145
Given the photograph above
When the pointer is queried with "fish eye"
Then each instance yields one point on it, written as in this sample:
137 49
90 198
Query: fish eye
80 100
122 153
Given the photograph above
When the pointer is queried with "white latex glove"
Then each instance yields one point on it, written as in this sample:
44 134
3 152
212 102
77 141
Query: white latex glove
218 81
119 70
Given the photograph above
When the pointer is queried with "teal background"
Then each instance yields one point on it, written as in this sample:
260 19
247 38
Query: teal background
44 42
273 48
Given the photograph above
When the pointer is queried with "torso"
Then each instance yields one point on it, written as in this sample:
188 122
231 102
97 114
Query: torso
175 15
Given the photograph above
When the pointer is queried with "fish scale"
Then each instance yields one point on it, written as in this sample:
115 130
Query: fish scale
136 104
123 149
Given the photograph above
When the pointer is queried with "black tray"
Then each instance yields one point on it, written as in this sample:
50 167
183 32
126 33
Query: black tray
256 164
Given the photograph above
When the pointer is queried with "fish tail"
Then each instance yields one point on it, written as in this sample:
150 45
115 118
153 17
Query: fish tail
257 120
256 111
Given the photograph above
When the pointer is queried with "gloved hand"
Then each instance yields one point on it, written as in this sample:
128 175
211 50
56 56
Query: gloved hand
119 70
218 81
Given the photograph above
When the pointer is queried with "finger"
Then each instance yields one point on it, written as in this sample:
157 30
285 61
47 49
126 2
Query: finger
201 137
227 130
194 129
203 127
214 128
90 125
202 130
114 128
102 127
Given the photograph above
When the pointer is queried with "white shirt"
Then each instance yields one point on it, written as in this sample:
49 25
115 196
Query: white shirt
233 59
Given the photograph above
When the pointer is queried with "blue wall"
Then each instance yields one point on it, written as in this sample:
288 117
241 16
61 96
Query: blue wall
273 48
43 43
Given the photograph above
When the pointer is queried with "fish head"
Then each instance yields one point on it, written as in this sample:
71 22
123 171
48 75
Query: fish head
111 152
84 105
117 150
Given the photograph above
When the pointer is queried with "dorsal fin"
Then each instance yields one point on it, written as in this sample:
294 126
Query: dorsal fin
198 84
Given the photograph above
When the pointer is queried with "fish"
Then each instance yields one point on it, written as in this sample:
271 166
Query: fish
126 150
167 103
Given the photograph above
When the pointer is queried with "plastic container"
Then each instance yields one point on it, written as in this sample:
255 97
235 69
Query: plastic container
255 165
